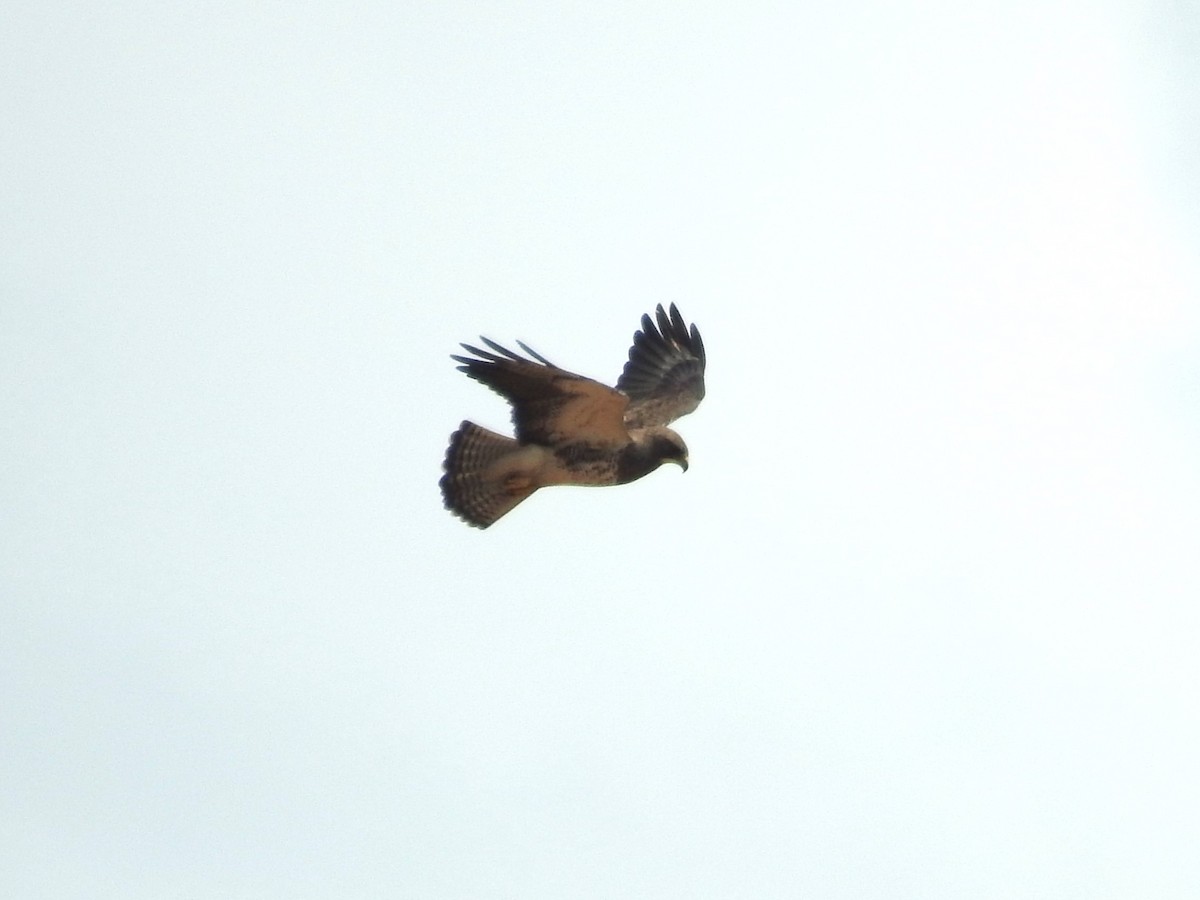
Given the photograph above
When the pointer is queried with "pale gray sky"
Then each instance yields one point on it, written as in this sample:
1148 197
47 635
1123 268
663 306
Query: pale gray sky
920 621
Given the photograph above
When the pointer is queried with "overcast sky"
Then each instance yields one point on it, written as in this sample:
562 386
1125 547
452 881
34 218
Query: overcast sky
921 619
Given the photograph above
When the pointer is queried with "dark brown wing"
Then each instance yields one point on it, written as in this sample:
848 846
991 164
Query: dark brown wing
664 377
551 406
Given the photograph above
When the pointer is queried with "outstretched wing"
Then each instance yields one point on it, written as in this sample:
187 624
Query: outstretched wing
551 406
664 377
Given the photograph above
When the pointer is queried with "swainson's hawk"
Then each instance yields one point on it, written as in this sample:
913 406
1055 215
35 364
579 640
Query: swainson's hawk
571 429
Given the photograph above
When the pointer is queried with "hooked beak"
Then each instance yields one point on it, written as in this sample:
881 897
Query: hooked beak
682 463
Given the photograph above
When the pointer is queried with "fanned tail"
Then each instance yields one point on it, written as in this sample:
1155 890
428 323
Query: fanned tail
475 488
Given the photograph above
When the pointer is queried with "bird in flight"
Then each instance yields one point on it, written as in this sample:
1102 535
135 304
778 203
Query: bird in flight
571 429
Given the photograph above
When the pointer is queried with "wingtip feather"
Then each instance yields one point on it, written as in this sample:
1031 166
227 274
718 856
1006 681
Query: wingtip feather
533 353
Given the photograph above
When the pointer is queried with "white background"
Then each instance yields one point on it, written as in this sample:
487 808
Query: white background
921 620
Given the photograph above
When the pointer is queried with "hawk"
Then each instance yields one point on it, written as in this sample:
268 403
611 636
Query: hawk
571 429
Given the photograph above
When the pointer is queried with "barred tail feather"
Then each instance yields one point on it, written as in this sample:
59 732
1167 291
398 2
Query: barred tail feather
474 488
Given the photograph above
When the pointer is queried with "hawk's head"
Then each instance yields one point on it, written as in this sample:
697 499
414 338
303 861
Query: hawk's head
668 447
